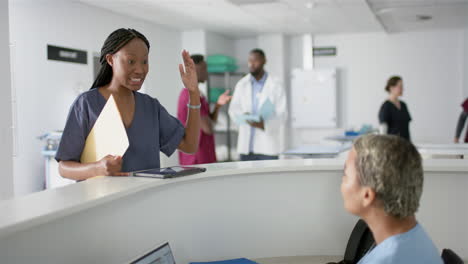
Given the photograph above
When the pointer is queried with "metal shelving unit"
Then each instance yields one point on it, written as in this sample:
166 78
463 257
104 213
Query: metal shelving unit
228 84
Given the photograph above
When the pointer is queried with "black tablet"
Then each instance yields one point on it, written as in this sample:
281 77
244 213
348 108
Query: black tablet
169 172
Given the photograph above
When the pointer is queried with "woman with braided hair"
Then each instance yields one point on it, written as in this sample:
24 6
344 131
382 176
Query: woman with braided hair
150 128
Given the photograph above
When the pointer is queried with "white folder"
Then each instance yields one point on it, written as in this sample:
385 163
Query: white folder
108 135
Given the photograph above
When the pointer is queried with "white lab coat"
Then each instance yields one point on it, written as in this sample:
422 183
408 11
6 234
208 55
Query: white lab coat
270 141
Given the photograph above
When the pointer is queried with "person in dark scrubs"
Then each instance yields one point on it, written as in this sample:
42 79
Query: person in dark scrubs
394 116
150 128
461 123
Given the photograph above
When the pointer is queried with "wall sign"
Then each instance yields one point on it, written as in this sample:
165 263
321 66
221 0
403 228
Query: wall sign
67 54
324 51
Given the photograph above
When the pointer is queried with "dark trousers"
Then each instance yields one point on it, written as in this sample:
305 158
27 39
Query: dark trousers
253 156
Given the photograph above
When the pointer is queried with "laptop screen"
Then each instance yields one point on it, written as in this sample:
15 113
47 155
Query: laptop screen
160 255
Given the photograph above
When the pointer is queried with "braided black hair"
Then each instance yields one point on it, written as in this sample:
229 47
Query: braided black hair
114 42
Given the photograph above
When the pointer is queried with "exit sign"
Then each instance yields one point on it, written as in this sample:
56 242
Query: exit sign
324 51
67 54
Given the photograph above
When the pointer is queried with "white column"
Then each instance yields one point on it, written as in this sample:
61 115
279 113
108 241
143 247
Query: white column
6 136
194 41
307 50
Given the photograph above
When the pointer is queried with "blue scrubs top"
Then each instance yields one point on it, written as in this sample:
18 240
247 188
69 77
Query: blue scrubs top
152 130
412 247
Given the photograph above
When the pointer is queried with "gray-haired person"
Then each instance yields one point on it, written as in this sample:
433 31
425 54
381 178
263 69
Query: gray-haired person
382 184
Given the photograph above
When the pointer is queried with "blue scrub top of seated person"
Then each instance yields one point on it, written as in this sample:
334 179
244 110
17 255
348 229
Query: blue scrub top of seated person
412 247
152 130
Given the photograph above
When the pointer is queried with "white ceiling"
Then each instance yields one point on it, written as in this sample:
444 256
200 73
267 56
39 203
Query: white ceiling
293 16
287 16
401 15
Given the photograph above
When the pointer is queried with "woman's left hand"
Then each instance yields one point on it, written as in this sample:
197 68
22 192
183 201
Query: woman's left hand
189 76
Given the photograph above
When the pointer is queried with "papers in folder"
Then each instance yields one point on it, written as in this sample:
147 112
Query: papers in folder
266 111
108 135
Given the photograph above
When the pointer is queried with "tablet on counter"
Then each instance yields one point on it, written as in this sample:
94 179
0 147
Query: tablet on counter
169 172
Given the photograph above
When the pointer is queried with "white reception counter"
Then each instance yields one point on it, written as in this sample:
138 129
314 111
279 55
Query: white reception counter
250 209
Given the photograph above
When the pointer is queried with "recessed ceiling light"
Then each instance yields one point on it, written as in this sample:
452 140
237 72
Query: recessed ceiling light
310 4
423 17
385 10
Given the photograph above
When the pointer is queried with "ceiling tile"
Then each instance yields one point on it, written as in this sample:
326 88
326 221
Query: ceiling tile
293 16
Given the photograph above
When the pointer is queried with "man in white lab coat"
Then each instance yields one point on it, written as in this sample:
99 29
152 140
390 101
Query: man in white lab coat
263 139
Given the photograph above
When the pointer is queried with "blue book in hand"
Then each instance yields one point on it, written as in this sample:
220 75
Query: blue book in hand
230 261
267 110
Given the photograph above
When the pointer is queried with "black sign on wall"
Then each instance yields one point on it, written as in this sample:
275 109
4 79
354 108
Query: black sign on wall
66 54
324 51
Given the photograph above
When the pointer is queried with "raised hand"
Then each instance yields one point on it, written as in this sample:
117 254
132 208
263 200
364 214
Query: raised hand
224 98
189 76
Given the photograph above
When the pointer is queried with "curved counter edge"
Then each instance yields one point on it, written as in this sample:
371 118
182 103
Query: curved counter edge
41 207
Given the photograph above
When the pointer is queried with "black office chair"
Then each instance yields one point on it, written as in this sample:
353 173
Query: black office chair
449 257
360 242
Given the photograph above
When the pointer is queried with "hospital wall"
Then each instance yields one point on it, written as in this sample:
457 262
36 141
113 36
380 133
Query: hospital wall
431 64
219 44
208 43
6 137
432 70
242 48
45 89
194 41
